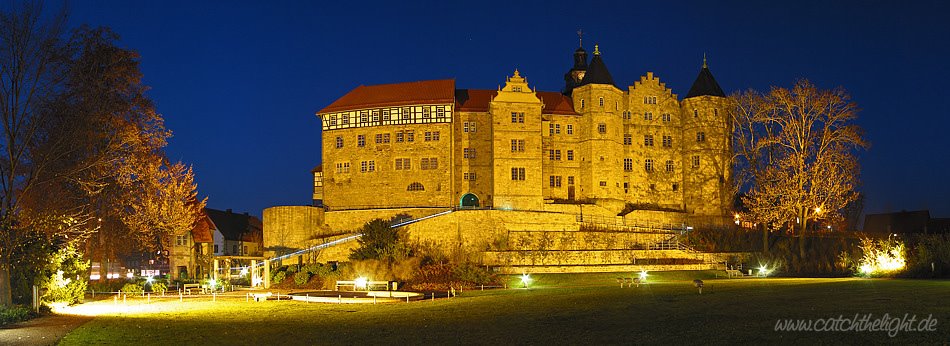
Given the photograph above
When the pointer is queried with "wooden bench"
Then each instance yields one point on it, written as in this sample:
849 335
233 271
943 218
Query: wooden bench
188 287
625 281
733 273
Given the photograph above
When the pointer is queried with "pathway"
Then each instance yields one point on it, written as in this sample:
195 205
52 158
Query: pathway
46 330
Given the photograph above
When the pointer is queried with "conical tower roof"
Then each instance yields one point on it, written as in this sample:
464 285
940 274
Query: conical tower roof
705 84
597 71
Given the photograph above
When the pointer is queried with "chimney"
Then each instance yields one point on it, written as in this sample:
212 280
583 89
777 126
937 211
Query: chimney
229 211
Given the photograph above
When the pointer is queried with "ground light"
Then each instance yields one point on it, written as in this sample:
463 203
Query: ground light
359 283
525 280
213 283
149 280
643 276
764 271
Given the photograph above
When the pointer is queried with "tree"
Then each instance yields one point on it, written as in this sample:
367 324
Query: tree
797 154
380 242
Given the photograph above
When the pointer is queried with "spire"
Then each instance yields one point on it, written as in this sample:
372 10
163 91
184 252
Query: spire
705 84
574 76
580 38
597 71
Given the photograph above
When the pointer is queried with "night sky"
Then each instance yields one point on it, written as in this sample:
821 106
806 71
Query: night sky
239 82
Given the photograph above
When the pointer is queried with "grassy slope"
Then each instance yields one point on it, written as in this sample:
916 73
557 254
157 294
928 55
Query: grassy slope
576 309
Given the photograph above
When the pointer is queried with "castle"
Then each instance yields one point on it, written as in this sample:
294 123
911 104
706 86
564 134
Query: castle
430 144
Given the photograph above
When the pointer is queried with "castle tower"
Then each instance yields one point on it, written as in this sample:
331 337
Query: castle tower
598 101
706 148
516 146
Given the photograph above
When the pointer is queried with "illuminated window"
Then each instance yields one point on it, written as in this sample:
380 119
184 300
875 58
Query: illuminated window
415 187
628 165
339 142
668 141
361 141
648 140
648 165
517 173
669 166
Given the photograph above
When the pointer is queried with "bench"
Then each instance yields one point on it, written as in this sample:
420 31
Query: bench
733 273
370 285
625 281
188 287
259 297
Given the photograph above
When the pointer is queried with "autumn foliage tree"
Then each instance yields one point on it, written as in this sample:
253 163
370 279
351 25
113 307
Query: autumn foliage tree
82 145
796 154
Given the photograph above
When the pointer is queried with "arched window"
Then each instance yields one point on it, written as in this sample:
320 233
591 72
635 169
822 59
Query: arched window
415 187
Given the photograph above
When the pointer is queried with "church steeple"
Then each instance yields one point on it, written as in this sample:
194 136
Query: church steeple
705 84
573 77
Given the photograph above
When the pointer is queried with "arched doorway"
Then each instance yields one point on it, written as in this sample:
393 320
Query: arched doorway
469 200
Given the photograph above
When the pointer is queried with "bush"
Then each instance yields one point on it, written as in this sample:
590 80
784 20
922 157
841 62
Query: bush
14 314
159 287
278 277
132 289
107 285
301 278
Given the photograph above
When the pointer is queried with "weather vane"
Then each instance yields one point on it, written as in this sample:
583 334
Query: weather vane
580 38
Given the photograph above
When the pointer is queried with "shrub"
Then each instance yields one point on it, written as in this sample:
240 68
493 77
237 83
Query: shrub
301 278
159 287
132 289
278 277
291 269
106 285
14 314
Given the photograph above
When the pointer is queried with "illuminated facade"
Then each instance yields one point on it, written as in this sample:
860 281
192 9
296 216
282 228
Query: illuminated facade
428 144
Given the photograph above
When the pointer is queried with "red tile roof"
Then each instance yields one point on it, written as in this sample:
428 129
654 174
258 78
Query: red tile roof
202 231
474 100
430 91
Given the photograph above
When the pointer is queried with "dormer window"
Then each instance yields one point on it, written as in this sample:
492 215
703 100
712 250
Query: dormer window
516 89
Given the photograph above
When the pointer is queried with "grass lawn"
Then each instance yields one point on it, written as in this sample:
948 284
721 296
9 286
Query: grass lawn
560 309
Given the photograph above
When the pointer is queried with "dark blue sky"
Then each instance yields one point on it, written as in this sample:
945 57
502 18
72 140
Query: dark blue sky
239 82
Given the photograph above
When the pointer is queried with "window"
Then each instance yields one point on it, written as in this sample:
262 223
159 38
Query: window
468 176
570 155
426 112
469 153
343 167
668 141
215 248
517 173
385 115
628 165
601 101
333 120
695 113
616 105
429 163
554 155
626 115
379 138
367 166
648 116
364 116
181 240
410 136
602 128
375 115
554 181
676 187
339 142
667 117
669 166
570 180
554 129
432 136
517 117
372 166
695 161
626 187
650 100
403 164
700 136
361 141
627 139
345 119
648 140
603 183
648 165
440 112
469 126
517 145
570 129
405 113
400 137
716 112
652 186
582 103
516 89
415 187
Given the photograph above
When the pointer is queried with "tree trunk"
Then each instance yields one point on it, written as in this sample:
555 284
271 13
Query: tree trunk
801 235
765 239
6 293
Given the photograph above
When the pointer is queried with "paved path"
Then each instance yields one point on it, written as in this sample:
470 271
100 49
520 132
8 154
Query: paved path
46 330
